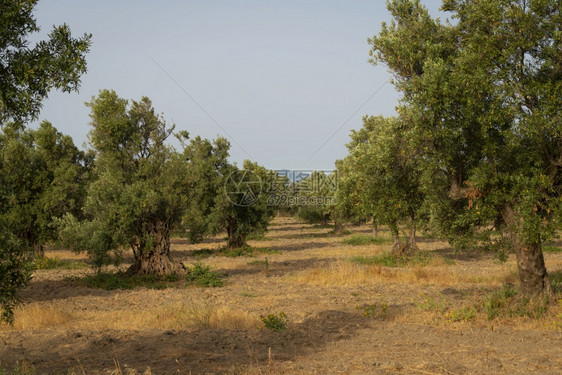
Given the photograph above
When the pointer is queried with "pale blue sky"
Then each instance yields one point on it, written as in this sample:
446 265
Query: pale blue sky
279 76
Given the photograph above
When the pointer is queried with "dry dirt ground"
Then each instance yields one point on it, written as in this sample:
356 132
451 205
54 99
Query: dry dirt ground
343 317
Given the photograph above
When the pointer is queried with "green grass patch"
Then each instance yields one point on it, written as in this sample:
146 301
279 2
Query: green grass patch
201 275
122 280
556 280
391 260
46 263
506 301
363 239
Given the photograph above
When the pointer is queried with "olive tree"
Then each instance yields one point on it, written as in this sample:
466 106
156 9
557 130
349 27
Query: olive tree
483 94
139 190
388 176
27 75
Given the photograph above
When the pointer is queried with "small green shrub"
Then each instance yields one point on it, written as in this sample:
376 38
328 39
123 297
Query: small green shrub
275 322
462 314
506 302
363 239
203 276
428 303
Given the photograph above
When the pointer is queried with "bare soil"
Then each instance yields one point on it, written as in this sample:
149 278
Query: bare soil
343 318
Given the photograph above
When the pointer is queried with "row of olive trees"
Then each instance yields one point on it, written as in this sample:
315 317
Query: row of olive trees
476 147
130 190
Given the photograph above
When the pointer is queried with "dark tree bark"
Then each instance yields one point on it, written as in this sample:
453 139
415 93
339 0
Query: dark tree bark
396 247
155 259
338 226
533 277
235 240
39 250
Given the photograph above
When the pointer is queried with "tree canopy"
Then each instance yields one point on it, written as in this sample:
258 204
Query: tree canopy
483 97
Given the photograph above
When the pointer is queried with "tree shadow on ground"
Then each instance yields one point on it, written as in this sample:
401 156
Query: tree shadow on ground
302 246
202 350
278 268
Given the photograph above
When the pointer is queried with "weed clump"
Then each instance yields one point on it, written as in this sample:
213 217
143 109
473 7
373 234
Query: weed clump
203 276
506 302
275 322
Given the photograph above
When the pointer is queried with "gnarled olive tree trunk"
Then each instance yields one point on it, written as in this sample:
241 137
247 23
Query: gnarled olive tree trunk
152 254
533 276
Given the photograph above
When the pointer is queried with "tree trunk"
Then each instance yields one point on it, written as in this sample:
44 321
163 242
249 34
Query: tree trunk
375 229
39 250
397 246
338 226
235 240
533 277
156 259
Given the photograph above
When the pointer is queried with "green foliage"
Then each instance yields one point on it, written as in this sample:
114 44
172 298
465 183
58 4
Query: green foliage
243 209
123 280
481 103
201 275
429 303
381 174
315 197
392 260
142 188
498 300
362 239
462 314
29 73
42 177
275 322
506 301
15 270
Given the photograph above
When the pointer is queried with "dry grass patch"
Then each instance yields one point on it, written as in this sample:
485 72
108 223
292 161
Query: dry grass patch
36 316
436 272
203 314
